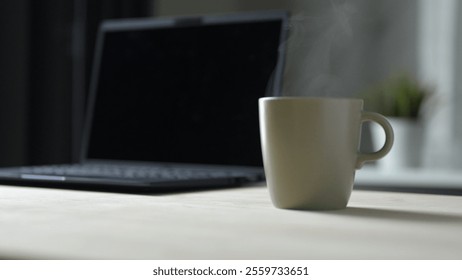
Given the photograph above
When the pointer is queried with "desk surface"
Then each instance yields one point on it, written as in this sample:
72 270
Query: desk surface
224 224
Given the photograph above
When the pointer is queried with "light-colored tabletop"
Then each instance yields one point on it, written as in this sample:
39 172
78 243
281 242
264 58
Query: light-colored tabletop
238 223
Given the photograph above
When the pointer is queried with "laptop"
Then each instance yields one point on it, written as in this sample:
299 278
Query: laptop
173 105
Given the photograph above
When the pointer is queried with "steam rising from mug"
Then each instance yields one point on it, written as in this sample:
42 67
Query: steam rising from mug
319 51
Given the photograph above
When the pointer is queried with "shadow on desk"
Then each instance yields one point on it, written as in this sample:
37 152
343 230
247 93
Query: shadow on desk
405 216
148 191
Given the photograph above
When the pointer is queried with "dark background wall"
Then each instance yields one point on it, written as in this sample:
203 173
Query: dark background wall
46 48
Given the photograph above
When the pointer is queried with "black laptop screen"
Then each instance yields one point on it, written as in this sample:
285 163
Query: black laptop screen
184 94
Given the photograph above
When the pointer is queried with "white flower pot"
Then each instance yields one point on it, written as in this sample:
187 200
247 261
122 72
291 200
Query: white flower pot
407 148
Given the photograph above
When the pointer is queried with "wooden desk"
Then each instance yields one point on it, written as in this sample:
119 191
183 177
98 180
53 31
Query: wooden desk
224 224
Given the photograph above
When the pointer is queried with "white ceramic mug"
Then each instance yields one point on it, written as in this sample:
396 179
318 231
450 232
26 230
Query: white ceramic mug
311 149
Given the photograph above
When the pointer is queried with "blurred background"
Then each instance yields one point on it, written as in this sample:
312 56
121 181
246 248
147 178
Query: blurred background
401 56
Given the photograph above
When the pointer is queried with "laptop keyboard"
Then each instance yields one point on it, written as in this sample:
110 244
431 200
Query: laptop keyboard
128 171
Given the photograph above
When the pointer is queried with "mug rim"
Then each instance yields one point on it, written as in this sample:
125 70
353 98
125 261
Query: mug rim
310 98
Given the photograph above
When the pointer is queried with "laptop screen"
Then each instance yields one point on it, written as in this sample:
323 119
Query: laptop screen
183 91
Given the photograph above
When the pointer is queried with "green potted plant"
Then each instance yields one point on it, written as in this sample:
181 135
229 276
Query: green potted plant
400 99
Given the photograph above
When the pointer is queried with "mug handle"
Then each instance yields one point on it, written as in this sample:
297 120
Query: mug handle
389 138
